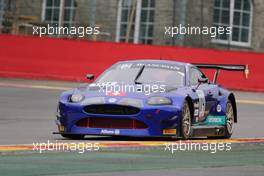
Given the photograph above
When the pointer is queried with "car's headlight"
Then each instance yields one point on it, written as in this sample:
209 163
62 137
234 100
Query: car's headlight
159 101
75 98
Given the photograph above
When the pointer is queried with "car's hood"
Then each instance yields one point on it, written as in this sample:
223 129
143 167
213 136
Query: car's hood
134 91
93 95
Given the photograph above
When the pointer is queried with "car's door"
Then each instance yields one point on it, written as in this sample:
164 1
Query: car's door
206 94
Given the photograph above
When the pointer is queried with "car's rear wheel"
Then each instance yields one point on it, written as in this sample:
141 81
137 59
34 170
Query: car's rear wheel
229 120
186 121
73 136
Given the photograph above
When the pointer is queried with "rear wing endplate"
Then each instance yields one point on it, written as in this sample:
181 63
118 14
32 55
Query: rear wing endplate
228 67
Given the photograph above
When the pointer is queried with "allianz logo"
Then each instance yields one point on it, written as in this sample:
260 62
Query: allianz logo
113 132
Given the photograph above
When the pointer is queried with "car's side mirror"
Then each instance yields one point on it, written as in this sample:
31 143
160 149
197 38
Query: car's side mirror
90 76
202 80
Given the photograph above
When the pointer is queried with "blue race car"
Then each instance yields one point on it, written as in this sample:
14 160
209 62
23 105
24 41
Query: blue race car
150 98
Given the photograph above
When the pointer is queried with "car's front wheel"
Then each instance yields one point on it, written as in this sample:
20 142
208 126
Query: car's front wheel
186 121
73 136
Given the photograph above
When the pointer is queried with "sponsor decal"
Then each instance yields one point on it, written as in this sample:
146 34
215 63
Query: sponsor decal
112 100
169 132
125 66
61 128
202 102
196 112
218 108
196 105
153 65
115 93
215 120
112 132
117 132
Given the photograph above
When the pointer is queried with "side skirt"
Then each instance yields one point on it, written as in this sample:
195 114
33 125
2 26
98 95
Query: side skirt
212 130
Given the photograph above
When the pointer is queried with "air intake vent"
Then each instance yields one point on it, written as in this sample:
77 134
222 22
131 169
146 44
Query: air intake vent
111 109
99 122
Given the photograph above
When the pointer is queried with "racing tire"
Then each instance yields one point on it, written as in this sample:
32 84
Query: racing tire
229 122
186 121
73 136
230 117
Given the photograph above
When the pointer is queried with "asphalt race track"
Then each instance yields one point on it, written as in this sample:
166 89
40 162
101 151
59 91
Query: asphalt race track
27 114
28 111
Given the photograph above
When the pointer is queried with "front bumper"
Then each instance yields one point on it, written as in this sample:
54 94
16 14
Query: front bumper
160 121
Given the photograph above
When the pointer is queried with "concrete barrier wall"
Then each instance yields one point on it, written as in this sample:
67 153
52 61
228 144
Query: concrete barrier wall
46 58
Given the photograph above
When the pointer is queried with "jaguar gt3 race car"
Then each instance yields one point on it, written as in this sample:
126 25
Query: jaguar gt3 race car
150 98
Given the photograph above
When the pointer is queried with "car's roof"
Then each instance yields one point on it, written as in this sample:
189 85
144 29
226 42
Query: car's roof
170 62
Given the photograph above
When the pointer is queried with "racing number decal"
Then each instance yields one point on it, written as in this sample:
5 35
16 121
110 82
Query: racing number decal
201 104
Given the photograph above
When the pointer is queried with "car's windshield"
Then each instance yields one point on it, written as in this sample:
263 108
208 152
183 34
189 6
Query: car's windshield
149 75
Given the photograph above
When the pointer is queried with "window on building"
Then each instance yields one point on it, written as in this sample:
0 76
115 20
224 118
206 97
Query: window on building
135 21
59 12
147 21
69 12
236 14
127 24
1 12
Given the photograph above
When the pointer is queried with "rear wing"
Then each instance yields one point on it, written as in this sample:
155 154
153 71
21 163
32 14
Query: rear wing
228 67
